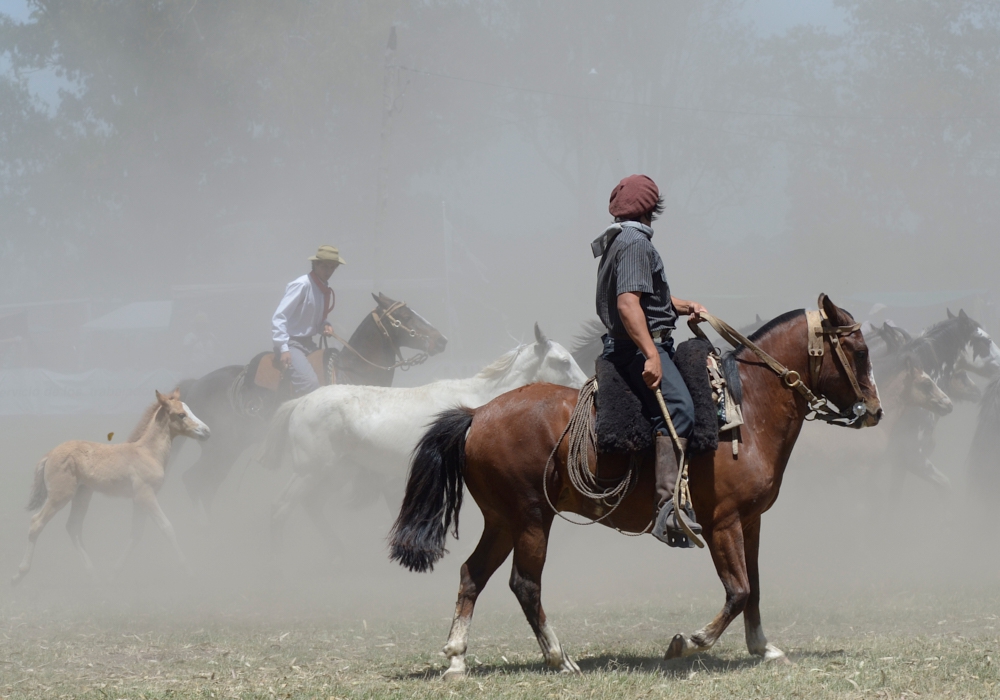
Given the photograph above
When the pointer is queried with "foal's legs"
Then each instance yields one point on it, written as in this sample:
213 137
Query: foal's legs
493 548
756 641
57 498
146 499
526 581
74 526
138 525
726 545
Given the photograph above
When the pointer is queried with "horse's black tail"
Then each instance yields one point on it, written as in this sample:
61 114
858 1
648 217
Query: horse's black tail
39 492
433 493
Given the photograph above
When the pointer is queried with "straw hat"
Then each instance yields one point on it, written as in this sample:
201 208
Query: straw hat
327 253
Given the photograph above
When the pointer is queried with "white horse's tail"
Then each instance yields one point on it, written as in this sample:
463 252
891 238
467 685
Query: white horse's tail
39 492
273 449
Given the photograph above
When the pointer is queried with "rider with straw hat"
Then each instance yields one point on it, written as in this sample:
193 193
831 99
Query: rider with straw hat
635 305
301 316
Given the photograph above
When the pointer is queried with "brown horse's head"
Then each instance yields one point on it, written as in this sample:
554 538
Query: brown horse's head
835 378
181 419
408 328
921 391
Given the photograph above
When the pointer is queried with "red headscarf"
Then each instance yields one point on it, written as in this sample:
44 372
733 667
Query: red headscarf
633 197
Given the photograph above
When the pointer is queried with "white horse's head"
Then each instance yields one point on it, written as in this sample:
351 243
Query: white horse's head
555 364
543 361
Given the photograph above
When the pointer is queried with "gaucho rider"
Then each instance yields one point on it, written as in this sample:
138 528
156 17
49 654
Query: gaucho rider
301 316
635 305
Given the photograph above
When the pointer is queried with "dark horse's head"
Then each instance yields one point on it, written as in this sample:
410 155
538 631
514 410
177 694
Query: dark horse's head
407 328
835 378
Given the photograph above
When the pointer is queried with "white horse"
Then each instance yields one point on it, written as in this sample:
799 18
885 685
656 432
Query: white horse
339 434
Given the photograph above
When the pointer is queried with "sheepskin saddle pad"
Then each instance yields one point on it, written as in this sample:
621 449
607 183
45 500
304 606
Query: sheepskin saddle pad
621 426
691 360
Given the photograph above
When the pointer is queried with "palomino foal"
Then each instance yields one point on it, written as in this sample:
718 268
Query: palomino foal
134 469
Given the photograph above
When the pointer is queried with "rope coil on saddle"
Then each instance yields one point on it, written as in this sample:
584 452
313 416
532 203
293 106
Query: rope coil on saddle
582 439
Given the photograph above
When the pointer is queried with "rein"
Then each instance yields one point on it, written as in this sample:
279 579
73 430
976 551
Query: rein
820 407
403 363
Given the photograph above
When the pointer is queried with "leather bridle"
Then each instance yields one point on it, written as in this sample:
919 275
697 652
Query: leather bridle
380 316
819 327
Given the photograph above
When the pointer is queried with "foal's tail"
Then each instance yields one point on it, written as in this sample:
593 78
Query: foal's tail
39 491
433 493
273 449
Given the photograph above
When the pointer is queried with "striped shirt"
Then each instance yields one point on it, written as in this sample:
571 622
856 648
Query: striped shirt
632 264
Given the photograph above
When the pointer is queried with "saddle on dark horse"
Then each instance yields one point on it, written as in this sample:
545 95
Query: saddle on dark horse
268 373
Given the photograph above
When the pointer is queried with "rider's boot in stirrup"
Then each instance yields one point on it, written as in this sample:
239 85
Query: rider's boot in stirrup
667 529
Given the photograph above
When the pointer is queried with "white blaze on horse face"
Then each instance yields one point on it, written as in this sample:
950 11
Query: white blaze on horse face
200 431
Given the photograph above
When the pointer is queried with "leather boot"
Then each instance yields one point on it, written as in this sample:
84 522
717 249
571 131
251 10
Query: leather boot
667 529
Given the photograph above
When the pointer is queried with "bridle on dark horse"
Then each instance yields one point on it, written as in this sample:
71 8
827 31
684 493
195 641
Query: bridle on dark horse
819 326
380 316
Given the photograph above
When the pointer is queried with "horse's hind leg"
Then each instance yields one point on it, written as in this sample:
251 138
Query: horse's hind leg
57 498
526 582
727 549
756 641
74 526
493 548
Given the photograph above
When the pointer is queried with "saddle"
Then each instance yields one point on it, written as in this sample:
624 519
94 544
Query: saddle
268 373
713 381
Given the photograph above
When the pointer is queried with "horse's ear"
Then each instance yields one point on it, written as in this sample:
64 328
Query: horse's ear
540 337
175 394
759 319
962 315
950 314
910 362
378 298
832 311
160 397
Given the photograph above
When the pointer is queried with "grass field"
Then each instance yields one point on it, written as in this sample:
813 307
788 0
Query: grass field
879 645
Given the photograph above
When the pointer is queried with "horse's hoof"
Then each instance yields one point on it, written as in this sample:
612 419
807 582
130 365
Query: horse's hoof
775 655
569 666
456 671
676 648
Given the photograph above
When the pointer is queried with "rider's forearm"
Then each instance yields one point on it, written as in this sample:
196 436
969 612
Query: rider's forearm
634 320
683 306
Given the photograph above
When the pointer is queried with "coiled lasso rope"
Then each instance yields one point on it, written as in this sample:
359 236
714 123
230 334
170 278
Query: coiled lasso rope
583 438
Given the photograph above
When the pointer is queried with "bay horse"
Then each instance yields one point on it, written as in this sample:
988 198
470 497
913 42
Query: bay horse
135 469
339 434
501 453
238 410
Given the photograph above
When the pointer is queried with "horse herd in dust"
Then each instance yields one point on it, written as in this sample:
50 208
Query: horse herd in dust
345 434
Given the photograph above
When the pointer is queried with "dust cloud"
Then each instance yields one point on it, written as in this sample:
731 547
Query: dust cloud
166 169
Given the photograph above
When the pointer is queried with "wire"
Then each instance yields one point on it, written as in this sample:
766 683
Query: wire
695 110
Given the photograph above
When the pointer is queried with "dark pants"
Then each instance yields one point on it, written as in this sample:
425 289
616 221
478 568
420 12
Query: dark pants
629 360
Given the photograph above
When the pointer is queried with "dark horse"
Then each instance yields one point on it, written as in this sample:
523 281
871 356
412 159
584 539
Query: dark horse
237 410
500 452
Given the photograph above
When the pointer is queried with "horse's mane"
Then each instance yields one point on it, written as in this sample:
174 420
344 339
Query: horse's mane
499 368
774 323
592 330
147 418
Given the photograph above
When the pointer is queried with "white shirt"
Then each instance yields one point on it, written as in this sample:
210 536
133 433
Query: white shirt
300 313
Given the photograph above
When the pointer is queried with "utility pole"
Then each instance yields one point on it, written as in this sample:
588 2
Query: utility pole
390 105
448 261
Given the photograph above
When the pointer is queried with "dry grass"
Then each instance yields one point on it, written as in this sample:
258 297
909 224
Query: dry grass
877 646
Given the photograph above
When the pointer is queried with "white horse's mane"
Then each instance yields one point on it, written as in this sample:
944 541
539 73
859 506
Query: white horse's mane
499 368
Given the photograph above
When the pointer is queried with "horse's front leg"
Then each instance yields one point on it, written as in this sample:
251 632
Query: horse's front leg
756 641
726 545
